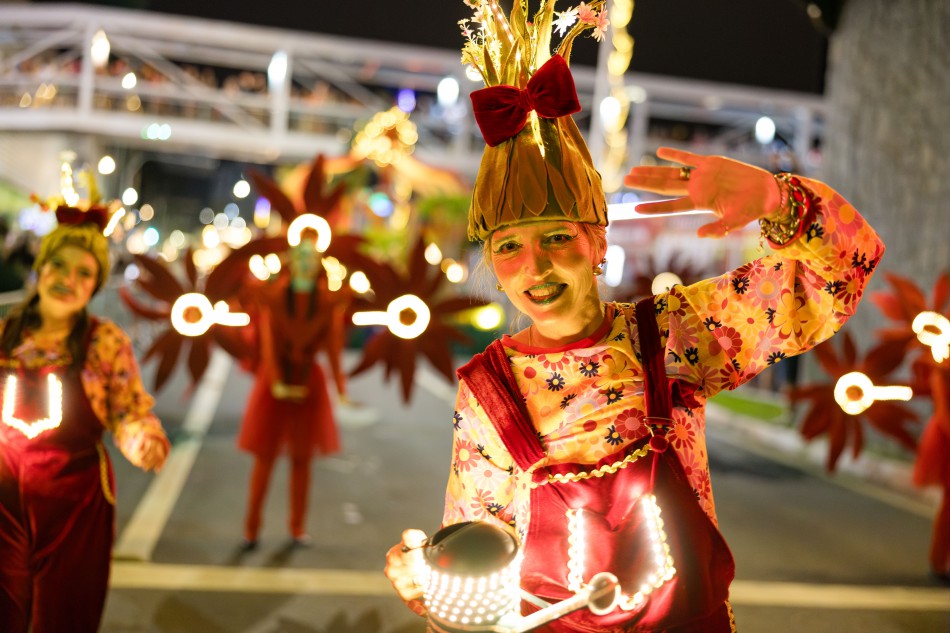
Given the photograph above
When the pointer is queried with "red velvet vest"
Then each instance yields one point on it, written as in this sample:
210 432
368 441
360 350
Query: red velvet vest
582 524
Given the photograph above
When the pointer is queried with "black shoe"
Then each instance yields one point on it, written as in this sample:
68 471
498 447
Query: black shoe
248 545
302 541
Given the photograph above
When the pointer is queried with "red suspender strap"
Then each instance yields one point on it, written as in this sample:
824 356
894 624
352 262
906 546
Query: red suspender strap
652 355
490 378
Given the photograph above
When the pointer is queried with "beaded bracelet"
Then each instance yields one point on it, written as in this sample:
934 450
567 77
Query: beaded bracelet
795 204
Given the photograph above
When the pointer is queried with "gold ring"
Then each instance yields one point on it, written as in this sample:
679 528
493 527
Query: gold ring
685 172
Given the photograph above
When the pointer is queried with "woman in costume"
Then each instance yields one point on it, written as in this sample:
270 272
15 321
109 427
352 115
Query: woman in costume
68 376
289 408
595 413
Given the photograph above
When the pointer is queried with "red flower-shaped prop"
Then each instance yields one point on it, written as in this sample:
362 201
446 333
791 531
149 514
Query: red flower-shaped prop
902 304
314 199
906 300
399 354
825 415
222 284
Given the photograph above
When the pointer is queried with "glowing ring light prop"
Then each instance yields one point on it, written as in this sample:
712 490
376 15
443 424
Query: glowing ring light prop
854 393
32 429
310 221
391 317
218 314
933 330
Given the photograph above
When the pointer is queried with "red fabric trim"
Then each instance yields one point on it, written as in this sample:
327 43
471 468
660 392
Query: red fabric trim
657 391
490 378
71 215
588 341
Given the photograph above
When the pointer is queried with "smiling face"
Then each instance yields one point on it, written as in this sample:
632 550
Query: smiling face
546 269
66 282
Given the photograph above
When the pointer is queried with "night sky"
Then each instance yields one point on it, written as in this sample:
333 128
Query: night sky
768 43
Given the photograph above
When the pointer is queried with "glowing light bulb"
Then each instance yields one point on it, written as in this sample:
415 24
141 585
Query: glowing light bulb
664 282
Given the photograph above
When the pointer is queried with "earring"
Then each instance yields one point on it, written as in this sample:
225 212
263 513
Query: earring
500 289
599 268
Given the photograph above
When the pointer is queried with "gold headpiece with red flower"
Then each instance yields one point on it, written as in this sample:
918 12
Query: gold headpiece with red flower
81 221
536 165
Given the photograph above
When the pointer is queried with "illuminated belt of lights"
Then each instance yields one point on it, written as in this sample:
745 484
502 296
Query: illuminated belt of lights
31 430
473 600
218 314
663 570
854 393
310 221
390 318
933 329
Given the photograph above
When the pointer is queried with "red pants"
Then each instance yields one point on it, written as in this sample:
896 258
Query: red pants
299 491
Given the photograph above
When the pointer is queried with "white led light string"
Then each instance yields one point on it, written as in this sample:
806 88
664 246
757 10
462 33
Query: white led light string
473 600
663 569
32 429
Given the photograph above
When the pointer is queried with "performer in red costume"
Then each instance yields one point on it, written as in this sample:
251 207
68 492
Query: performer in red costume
566 432
67 377
289 408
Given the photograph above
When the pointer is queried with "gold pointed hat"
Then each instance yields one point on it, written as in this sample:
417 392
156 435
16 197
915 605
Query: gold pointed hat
536 165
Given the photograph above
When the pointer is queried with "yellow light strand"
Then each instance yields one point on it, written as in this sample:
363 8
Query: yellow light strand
615 135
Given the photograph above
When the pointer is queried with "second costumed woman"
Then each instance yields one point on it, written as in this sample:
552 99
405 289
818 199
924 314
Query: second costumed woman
578 422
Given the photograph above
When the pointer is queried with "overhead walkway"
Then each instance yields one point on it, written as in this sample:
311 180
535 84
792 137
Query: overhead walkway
216 88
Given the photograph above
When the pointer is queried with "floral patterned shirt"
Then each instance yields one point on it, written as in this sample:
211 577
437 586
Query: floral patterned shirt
110 378
587 402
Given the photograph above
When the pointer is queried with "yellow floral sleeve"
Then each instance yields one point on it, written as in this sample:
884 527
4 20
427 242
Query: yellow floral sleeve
113 384
723 331
480 485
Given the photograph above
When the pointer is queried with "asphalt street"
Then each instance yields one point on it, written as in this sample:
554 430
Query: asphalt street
813 554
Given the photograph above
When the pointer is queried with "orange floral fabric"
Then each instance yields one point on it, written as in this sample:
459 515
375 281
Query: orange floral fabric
587 402
110 379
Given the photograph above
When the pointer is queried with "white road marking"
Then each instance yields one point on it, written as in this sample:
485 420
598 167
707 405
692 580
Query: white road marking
127 575
818 596
137 541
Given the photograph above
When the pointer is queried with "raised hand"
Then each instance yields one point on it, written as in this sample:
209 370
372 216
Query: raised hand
738 193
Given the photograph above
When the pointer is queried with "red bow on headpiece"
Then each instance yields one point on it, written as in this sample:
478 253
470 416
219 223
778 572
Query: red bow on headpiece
71 215
502 111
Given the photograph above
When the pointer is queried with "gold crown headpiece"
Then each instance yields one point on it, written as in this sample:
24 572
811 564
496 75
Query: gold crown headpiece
536 165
